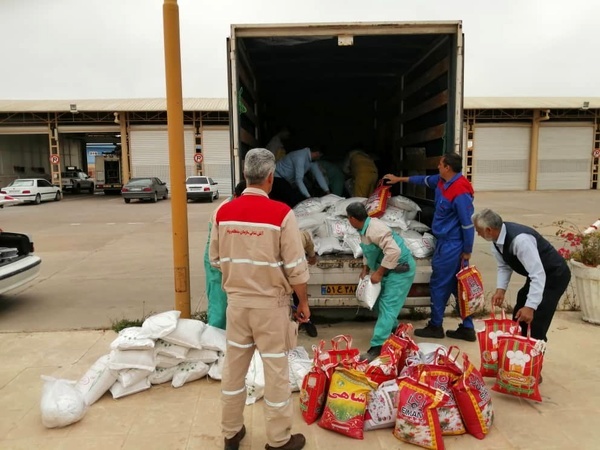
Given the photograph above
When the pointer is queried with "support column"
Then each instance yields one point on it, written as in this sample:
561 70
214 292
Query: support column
125 167
54 149
533 150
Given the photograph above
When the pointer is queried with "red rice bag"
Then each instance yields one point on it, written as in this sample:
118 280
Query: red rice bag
401 344
377 201
383 368
520 360
471 297
488 342
474 400
312 395
417 421
344 411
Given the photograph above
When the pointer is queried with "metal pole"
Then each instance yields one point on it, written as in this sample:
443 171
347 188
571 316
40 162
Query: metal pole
533 150
181 260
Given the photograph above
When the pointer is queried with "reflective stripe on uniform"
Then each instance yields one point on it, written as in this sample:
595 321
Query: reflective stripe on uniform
467 227
273 355
238 392
249 225
235 344
277 405
251 261
295 263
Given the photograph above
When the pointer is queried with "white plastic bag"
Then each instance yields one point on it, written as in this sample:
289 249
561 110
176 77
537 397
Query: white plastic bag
97 380
255 380
428 350
132 359
62 404
159 325
130 339
353 242
213 339
162 375
129 377
189 371
382 406
205 356
118 390
299 363
216 368
367 292
187 333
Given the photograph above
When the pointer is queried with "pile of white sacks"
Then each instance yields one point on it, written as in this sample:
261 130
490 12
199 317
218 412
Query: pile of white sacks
326 219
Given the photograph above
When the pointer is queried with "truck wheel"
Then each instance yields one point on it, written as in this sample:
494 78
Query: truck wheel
58 196
155 198
38 199
126 200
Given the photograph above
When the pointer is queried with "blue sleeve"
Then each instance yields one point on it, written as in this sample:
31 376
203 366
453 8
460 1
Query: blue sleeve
299 172
431 181
314 169
463 206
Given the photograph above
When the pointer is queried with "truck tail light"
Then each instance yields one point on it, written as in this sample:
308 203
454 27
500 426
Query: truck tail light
147 189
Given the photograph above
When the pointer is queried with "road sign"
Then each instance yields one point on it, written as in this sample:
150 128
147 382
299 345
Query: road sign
596 153
54 159
198 158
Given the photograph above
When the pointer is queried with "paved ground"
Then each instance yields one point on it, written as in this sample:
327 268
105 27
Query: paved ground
105 260
188 417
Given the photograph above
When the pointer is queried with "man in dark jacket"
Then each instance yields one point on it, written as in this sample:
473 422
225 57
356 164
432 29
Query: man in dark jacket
523 250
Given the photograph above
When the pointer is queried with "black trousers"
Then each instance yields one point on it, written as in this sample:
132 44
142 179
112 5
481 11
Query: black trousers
556 285
284 192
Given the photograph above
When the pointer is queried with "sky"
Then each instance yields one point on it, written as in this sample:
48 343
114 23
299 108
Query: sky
94 49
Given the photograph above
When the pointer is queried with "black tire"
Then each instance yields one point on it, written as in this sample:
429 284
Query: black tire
58 196
155 198
217 196
166 196
127 200
212 199
38 199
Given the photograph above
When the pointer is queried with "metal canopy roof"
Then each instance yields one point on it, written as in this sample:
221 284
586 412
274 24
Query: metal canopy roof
531 102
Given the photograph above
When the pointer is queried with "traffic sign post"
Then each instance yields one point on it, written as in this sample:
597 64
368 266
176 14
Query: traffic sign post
596 153
54 159
198 158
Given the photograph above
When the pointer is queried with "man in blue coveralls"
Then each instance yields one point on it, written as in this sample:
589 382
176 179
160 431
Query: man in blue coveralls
454 230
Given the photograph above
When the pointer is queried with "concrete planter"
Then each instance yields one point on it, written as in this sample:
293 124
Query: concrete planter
587 287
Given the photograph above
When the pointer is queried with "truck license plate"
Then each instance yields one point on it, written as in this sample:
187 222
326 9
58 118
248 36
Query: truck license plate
338 289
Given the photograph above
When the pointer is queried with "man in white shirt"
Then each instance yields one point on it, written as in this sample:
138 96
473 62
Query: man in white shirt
276 146
523 250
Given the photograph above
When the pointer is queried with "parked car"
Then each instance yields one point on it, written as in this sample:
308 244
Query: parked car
76 180
34 190
18 264
201 188
150 188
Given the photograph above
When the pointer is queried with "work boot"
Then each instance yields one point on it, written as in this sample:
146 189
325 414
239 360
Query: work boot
296 442
430 331
234 442
310 329
466 334
371 354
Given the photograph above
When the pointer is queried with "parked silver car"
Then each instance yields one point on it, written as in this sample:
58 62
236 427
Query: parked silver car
150 188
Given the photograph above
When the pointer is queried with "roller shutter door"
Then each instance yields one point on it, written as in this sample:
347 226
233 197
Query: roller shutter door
501 157
217 157
565 156
149 150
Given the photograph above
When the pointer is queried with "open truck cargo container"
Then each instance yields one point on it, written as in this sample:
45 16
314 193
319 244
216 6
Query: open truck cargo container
392 89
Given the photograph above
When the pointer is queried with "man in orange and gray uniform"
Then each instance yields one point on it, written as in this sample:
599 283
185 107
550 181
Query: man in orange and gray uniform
256 244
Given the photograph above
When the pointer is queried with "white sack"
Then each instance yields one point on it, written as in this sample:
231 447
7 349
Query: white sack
159 325
164 348
308 206
187 333
418 226
395 218
62 404
97 380
118 390
166 362
129 377
131 339
132 359
299 363
421 246
189 371
162 375
327 245
382 406
216 368
213 338
353 242
205 356
339 209
406 204
339 226
367 292
311 222
330 199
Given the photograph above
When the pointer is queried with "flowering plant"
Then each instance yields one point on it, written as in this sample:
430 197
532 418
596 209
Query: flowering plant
583 247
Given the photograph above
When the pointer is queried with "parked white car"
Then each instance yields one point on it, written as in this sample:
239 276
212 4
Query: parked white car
34 190
18 264
7 200
201 188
